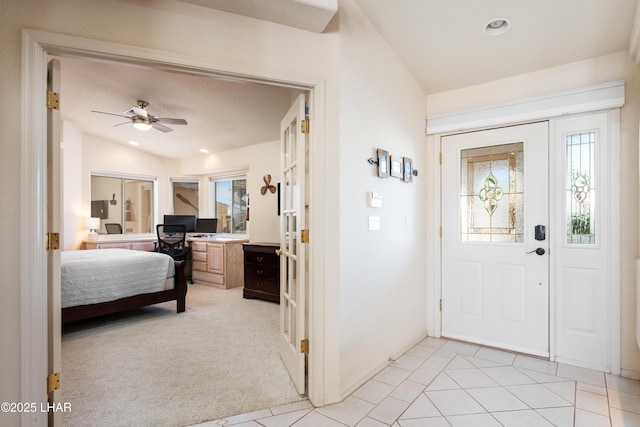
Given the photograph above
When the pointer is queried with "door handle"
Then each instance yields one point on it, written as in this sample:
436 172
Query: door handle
279 252
539 251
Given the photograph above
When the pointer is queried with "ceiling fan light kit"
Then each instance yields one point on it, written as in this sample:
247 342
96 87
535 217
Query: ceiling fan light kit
140 123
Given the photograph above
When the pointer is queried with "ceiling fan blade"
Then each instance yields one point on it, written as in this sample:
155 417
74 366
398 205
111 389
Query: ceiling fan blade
172 121
122 124
110 114
161 128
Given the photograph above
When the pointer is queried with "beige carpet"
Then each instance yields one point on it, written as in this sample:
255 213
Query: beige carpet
153 367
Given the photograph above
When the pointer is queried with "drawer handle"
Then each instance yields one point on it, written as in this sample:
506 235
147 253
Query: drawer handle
259 272
259 258
259 285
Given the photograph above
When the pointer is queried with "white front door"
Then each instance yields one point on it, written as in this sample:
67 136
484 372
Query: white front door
293 219
495 250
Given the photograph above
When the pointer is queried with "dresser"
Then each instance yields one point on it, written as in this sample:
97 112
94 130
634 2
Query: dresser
261 271
217 262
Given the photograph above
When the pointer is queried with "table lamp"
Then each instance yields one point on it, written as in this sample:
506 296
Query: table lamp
93 224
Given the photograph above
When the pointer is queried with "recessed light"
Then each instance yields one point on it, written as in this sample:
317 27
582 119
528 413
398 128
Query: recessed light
204 150
496 27
133 143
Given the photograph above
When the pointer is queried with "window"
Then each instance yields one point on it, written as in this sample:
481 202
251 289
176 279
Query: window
124 200
230 196
185 196
581 188
492 193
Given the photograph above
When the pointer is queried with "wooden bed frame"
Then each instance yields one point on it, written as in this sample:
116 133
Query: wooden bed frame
178 293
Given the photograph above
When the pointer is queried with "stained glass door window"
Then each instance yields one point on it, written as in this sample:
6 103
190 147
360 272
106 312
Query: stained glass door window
581 188
492 193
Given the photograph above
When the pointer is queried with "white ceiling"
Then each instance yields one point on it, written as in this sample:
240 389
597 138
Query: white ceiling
441 41
443 44
221 114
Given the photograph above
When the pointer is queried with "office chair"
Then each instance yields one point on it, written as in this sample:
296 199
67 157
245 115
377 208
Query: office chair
171 240
113 228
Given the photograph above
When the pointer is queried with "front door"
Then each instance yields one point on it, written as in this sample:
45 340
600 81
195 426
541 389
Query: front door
495 250
293 219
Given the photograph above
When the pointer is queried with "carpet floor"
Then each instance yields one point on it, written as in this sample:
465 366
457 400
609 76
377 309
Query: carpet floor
153 367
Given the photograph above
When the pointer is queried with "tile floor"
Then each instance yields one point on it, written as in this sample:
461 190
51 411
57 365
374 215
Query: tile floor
447 383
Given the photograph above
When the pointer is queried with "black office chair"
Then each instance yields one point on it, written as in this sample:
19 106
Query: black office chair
113 228
171 240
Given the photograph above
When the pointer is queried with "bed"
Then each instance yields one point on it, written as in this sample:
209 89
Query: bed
106 281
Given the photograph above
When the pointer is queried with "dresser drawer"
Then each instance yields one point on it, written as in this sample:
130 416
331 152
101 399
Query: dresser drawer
260 285
199 246
199 265
261 258
262 272
199 257
210 278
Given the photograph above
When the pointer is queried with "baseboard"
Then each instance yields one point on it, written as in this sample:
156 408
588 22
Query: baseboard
349 390
634 375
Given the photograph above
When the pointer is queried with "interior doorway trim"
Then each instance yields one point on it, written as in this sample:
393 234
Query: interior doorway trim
36 45
606 96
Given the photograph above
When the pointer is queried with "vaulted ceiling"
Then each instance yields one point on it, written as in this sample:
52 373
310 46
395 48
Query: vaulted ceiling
442 43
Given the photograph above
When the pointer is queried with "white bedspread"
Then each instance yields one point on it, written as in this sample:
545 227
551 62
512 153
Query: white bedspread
93 276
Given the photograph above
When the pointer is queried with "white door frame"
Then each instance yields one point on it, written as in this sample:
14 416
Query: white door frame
606 96
36 45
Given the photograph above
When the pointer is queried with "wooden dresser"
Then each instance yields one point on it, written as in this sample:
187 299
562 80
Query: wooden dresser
217 262
261 271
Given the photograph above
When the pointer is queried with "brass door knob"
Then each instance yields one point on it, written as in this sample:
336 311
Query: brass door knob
279 252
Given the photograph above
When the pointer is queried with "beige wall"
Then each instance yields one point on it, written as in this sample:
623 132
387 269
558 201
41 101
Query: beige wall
257 160
597 70
84 154
382 273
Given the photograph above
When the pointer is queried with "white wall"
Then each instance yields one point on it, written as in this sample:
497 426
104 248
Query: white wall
85 153
74 208
593 71
382 273
257 161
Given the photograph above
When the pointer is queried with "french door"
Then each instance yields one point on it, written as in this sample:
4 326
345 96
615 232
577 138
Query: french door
495 248
293 220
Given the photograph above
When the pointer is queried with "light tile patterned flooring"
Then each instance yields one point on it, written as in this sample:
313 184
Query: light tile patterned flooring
447 383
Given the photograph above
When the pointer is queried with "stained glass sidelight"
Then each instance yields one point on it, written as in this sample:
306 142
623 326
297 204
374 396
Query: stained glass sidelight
492 194
580 185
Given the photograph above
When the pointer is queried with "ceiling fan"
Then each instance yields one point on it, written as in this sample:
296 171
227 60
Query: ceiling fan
141 119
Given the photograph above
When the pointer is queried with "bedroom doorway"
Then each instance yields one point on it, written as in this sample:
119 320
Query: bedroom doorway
38 47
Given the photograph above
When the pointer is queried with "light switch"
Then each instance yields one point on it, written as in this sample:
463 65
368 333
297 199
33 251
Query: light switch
375 199
374 223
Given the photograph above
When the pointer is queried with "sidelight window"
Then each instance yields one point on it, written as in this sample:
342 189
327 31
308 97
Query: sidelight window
580 188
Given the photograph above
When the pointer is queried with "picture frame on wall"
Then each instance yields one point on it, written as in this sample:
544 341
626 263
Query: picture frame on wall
396 167
383 163
408 169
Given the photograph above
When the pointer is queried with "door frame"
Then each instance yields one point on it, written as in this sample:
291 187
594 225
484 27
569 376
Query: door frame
36 46
602 97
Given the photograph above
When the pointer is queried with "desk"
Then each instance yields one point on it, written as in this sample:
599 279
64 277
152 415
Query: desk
217 261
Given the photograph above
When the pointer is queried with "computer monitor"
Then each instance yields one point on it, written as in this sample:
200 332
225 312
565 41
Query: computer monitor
189 221
206 225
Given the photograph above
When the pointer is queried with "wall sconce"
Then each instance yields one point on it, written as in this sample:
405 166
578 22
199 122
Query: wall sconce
93 224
